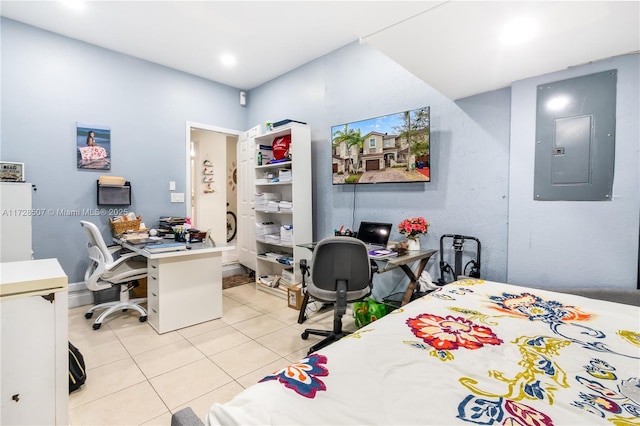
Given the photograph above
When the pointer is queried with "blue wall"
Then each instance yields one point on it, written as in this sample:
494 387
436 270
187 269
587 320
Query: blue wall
51 82
585 243
482 158
469 142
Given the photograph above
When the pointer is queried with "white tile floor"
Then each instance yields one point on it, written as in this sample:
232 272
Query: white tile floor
136 376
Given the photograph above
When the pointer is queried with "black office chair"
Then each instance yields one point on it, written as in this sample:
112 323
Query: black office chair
340 273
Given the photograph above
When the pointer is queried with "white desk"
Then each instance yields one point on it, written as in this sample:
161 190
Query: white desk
184 287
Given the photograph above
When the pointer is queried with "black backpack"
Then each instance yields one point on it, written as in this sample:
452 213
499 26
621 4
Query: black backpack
77 372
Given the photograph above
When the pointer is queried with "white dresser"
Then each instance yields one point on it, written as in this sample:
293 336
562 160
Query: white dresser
34 343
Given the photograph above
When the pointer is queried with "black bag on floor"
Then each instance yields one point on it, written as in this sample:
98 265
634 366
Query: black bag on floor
77 372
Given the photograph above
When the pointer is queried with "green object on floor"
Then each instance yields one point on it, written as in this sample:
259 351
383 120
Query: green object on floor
368 311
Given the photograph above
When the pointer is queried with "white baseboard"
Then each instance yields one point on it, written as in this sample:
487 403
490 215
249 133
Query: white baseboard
232 269
79 295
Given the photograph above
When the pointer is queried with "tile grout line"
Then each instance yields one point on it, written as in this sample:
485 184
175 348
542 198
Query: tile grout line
243 298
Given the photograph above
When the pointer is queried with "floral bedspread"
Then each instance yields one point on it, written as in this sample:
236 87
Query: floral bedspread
472 352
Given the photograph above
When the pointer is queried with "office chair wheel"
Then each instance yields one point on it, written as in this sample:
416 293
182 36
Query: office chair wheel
304 335
143 318
96 326
88 315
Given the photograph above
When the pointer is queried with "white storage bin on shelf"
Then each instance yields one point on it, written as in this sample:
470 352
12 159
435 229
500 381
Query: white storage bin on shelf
284 216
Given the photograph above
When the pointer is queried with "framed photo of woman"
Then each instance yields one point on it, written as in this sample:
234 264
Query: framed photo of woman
93 147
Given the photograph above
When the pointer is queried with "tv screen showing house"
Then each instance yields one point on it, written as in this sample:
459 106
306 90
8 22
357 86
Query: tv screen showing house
388 149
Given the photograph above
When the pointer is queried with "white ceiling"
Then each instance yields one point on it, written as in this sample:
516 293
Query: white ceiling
452 45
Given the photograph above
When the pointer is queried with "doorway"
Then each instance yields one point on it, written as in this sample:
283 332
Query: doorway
212 184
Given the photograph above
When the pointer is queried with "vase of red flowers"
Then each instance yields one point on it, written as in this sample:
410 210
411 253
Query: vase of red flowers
413 228
413 244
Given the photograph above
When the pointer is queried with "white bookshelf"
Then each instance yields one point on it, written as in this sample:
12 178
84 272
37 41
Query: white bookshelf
298 192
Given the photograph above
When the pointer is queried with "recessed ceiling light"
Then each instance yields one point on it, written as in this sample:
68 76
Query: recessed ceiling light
74 4
228 60
518 31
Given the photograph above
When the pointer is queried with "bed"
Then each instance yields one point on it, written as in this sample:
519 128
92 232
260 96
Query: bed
471 352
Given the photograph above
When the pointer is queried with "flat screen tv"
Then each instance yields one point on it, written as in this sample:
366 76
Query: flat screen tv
388 149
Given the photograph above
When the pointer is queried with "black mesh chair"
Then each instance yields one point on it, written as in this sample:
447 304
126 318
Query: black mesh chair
340 273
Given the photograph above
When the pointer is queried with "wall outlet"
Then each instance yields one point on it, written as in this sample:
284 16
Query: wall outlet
172 185
177 197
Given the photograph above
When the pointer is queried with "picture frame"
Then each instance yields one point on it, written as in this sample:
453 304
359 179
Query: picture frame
93 147
11 171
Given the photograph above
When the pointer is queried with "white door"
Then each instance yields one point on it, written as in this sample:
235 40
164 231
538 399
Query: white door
246 244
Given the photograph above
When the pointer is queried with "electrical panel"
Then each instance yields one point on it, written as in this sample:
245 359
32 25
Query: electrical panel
575 138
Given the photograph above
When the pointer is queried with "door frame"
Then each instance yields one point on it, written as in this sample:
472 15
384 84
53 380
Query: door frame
198 126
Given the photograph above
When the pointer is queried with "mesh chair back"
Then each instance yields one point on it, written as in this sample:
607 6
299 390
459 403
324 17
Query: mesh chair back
96 240
104 270
340 258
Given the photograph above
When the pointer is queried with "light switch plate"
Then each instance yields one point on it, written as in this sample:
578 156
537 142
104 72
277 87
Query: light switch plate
172 185
177 197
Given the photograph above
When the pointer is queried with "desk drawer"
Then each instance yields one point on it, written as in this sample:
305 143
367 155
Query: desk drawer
153 268
152 298
153 292
153 317
153 282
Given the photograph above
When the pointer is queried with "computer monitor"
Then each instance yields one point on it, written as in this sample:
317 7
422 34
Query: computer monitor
374 233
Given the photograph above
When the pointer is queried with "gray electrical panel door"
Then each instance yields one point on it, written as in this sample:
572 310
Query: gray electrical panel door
575 138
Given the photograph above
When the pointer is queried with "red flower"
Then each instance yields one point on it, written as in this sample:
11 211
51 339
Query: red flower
450 333
413 227
527 415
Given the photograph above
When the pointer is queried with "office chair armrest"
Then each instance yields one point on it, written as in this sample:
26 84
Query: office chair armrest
123 258
117 248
